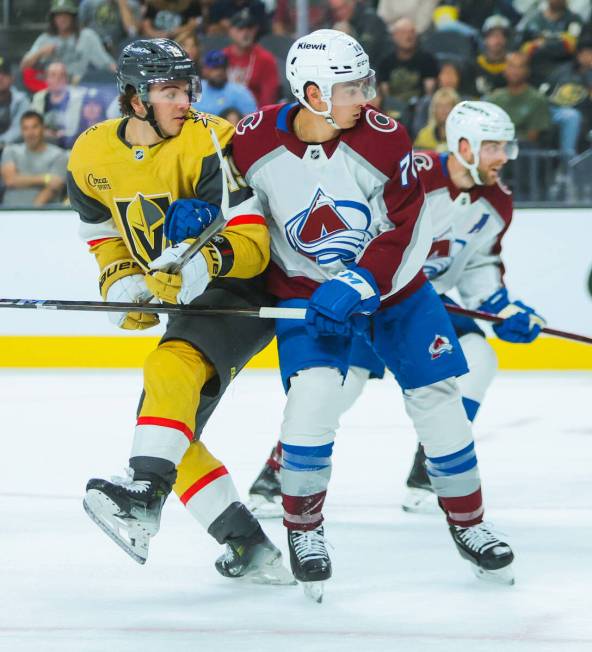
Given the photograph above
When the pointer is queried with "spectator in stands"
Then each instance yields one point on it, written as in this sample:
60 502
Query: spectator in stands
251 64
64 41
527 107
171 18
419 11
433 135
94 109
284 17
13 103
232 115
358 19
222 12
549 38
491 63
450 77
469 16
190 43
570 87
409 72
60 104
218 94
113 20
34 172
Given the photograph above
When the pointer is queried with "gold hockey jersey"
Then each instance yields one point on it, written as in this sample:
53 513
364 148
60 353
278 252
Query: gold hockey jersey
122 193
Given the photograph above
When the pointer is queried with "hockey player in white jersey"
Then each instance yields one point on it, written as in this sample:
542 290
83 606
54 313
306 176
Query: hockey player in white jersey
471 211
350 234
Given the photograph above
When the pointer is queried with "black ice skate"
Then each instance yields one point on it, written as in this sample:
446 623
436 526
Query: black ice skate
249 553
310 560
127 510
420 497
491 559
255 559
265 494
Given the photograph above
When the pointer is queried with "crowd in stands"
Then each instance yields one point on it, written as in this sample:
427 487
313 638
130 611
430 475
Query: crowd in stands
532 57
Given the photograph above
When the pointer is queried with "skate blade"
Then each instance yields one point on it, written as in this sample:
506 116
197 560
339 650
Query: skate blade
96 503
503 575
263 508
420 501
271 572
314 591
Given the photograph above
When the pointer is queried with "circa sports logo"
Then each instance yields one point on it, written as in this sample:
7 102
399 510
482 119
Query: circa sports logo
102 183
330 230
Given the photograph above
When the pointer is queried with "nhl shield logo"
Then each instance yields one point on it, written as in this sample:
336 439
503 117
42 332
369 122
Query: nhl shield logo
440 345
330 230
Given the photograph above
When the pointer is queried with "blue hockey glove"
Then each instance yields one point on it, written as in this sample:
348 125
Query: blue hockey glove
187 218
333 303
521 323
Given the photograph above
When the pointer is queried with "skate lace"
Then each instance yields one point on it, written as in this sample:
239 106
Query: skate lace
479 537
135 486
310 545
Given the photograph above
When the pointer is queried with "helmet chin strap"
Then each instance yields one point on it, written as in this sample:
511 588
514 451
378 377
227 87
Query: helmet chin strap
325 114
473 168
151 120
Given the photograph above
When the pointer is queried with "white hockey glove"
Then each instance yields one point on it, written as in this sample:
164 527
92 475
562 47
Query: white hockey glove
131 289
183 287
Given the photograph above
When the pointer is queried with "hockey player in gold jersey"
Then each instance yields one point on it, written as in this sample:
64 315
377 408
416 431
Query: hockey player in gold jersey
123 177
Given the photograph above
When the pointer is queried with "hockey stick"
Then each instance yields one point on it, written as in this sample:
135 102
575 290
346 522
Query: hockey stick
165 309
485 316
260 313
219 222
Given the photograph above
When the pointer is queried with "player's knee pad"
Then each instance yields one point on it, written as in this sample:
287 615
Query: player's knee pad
482 362
439 417
313 408
174 375
204 485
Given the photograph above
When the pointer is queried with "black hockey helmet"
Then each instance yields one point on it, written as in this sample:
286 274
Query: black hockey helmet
148 61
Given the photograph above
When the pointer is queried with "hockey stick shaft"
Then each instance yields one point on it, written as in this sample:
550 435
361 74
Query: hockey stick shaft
165 309
218 224
485 316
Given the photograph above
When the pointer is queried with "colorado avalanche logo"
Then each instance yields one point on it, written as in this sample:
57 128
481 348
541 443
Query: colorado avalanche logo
330 230
440 345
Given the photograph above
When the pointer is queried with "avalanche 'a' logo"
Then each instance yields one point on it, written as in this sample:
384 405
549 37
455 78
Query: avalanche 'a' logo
330 230
440 345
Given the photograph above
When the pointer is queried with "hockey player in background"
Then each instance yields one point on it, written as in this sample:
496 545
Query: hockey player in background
349 236
471 211
123 176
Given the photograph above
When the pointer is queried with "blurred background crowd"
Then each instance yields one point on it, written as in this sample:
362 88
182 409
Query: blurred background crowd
532 57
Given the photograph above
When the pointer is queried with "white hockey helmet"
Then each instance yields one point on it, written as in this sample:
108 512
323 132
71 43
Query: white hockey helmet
332 60
478 122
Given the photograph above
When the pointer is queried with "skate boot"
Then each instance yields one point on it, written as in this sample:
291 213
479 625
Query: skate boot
491 559
249 553
127 510
420 497
265 496
310 560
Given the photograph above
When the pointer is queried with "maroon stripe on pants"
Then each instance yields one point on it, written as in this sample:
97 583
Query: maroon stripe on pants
303 512
463 511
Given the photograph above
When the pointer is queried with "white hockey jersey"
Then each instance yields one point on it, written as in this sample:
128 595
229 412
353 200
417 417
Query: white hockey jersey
356 198
468 228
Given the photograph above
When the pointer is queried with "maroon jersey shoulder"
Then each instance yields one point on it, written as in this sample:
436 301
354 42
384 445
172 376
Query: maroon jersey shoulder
380 140
255 136
431 171
500 197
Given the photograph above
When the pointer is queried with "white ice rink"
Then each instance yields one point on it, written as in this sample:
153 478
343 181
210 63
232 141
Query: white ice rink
398 583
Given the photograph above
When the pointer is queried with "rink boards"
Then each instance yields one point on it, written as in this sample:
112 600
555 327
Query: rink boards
546 255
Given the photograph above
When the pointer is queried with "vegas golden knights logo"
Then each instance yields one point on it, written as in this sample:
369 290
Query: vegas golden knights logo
143 222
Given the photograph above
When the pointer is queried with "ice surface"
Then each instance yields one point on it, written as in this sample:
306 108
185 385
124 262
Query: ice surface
398 582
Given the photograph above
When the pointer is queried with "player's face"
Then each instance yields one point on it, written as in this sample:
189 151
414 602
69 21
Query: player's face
492 158
170 100
348 99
